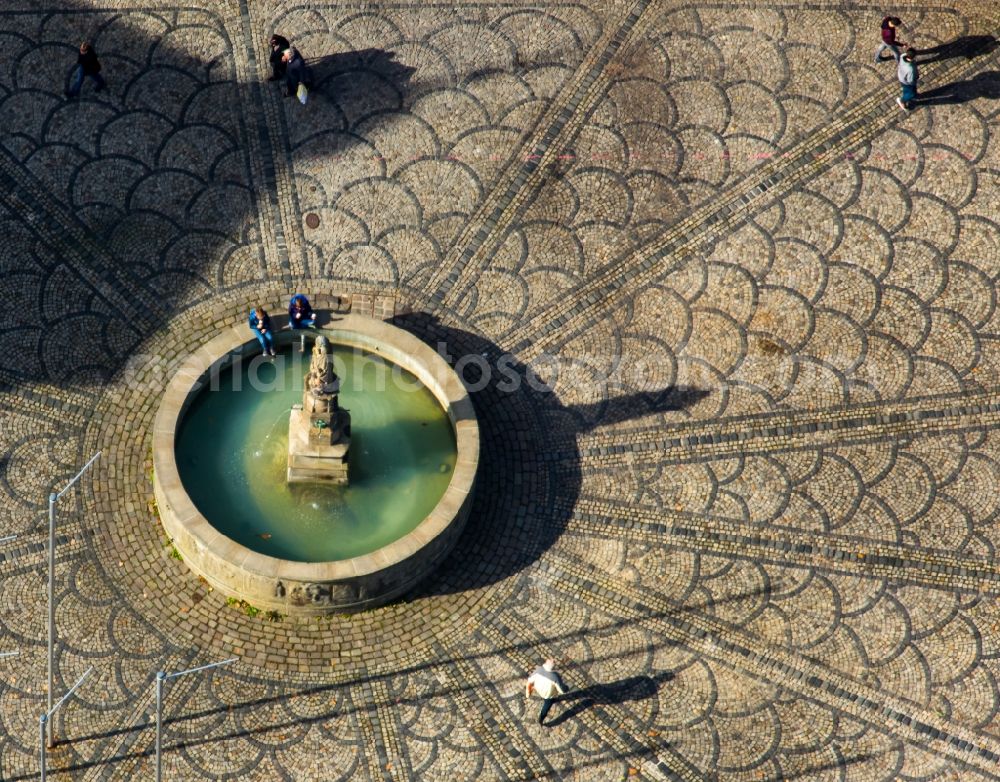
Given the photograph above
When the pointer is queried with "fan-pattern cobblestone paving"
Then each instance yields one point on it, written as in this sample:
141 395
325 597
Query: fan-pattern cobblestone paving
744 489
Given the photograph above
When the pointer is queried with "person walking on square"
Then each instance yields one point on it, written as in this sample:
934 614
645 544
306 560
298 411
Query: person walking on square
260 325
300 312
548 684
278 46
87 64
907 74
295 71
889 25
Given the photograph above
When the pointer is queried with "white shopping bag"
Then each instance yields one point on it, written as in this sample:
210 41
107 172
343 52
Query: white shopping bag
302 94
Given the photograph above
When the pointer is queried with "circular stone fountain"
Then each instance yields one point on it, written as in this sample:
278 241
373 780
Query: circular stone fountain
311 541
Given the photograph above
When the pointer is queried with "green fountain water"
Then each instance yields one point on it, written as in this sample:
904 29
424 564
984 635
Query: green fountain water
232 451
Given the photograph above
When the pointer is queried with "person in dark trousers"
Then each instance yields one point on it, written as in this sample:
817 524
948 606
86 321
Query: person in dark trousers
548 684
87 64
296 72
300 312
260 325
889 41
907 74
278 46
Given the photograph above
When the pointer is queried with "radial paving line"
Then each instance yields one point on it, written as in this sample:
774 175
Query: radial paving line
743 651
267 125
921 419
784 430
564 319
47 402
787 546
130 728
606 720
376 759
78 249
472 250
22 556
498 730
378 720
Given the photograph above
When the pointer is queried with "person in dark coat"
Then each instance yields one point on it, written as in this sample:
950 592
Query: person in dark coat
278 46
87 64
296 72
300 312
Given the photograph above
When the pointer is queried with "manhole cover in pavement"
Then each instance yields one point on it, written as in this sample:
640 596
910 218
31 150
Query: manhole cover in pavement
312 220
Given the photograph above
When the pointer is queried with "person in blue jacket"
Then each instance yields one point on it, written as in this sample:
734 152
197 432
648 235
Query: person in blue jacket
260 325
300 312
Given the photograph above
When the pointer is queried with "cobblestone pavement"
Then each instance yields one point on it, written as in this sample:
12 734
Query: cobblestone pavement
748 497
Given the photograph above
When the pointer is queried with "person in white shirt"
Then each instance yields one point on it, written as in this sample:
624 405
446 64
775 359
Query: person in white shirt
548 684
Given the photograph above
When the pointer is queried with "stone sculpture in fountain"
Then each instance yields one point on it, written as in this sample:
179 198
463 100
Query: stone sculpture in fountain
319 432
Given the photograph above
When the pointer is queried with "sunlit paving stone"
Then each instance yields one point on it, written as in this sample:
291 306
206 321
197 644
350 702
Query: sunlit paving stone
727 315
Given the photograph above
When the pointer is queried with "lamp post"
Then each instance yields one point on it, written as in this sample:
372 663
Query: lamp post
161 677
53 498
46 719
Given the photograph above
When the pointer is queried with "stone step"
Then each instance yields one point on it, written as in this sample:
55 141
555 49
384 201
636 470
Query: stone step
298 460
296 475
320 451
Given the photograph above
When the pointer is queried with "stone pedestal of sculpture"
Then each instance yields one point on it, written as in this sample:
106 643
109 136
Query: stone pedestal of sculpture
319 432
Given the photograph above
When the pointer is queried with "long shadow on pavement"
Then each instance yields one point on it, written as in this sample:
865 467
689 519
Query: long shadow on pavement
634 688
983 85
529 473
968 46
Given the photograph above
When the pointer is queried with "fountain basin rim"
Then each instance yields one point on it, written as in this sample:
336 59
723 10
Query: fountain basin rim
342 585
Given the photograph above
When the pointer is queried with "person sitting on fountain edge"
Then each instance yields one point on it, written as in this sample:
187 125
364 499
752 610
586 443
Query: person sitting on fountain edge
300 312
260 325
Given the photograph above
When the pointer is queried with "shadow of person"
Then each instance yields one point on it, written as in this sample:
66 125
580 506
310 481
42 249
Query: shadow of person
968 46
634 688
360 82
529 474
982 85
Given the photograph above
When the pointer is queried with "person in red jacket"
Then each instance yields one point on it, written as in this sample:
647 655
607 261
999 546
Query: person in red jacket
889 40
